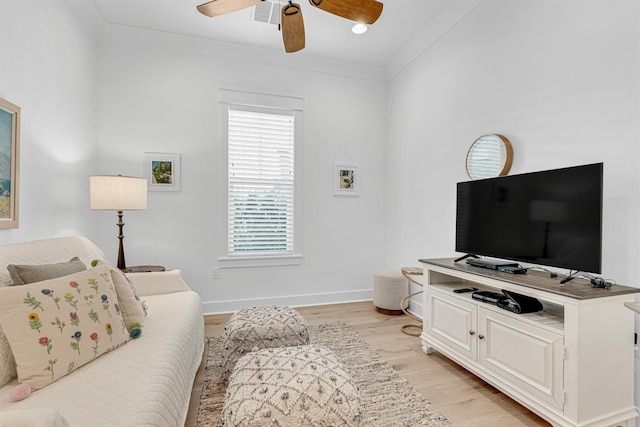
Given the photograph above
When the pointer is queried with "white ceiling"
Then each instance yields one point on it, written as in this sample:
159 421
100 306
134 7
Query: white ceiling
327 36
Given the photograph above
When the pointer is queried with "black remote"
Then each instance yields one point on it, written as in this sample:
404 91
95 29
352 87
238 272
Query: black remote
462 290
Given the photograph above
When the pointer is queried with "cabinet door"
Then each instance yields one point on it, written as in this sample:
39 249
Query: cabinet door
526 356
452 322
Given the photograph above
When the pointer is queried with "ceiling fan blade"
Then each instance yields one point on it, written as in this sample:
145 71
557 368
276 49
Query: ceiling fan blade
365 11
222 7
292 28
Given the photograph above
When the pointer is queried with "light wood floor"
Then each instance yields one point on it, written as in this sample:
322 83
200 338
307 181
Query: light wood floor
463 398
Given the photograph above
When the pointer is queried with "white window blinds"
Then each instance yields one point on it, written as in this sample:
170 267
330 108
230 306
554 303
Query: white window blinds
261 182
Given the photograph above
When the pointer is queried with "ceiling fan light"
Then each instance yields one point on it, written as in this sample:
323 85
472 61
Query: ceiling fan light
359 28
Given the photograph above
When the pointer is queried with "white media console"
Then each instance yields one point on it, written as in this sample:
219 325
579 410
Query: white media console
571 363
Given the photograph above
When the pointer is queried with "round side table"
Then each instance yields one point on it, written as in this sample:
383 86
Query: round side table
408 272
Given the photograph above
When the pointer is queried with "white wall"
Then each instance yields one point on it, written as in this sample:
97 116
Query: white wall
48 64
161 95
559 79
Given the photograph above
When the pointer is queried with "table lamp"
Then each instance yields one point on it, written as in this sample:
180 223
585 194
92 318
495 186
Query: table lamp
118 193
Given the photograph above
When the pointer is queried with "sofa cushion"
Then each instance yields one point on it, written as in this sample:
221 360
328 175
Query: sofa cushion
24 274
42 417
58 325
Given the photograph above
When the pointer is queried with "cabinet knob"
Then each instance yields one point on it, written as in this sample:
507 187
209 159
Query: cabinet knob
472 333
481 337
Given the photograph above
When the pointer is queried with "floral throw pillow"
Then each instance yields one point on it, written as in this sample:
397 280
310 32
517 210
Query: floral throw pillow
56 326
133 309
7 362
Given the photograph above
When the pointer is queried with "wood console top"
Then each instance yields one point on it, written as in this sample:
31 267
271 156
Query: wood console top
577 288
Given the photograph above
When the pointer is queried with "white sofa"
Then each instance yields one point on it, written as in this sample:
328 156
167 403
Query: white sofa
145 382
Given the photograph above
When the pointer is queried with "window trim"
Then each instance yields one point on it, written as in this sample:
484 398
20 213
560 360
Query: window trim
265 102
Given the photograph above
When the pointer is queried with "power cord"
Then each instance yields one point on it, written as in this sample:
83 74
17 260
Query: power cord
596 282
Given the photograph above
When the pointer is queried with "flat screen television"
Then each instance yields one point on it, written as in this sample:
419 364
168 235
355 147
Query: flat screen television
551 218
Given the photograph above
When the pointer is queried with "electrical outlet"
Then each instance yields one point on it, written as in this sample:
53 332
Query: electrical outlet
215 273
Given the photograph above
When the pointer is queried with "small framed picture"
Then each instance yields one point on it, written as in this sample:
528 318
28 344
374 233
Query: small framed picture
345 180
9 164
162 171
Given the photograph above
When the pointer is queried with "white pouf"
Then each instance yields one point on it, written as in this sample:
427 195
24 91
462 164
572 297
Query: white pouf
258 328
291 386
389 289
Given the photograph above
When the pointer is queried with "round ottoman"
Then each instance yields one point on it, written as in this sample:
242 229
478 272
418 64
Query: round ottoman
390 287
261 327
291 386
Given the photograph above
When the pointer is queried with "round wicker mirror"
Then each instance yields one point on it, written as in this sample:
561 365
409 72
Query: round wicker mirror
489 156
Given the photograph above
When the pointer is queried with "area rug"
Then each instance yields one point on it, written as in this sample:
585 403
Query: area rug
387 399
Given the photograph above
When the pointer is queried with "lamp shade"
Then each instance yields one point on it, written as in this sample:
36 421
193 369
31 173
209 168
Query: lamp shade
117 192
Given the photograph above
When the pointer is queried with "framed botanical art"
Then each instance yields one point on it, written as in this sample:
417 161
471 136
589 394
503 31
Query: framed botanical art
9 163
346 180
162 171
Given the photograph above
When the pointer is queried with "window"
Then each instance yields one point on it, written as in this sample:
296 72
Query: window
260 182
261 147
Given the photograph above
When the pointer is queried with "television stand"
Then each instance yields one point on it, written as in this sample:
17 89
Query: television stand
571 363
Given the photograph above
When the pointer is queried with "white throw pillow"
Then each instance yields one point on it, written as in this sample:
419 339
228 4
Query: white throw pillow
159 282
58 325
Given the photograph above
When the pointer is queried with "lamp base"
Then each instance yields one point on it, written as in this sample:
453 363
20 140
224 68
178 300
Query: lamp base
121 263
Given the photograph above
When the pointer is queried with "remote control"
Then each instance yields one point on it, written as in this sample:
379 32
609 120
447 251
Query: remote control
462 290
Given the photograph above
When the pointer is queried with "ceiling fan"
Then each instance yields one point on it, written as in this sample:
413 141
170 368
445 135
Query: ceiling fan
364 11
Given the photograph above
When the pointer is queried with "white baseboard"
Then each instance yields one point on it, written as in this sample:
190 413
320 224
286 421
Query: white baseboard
230 306
416 308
